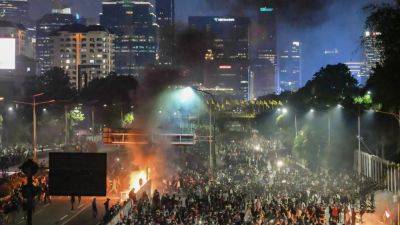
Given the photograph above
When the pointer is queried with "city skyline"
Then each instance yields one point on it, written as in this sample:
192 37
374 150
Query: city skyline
315 37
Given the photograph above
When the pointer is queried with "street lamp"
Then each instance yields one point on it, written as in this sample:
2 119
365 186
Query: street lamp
34 124
284 110
188 94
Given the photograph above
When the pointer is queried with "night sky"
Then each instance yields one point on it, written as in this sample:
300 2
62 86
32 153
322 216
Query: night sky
324 24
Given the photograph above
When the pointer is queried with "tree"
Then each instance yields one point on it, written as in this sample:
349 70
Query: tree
110 90
54 84
331 85
385 79
384 82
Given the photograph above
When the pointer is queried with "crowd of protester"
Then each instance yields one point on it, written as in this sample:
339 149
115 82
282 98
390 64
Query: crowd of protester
16 154
255 186
14 202
13 155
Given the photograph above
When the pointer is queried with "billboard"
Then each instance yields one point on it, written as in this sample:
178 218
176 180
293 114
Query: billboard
79 174
7 53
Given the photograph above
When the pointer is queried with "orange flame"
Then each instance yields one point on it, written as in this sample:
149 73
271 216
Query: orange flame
135 180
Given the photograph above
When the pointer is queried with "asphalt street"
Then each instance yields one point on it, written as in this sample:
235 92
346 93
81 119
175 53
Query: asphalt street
59 212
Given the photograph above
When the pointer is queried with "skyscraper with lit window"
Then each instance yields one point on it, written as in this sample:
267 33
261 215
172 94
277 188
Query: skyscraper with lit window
357 70
46 25
165 14
263 49
290 77
372 52
133 24
227 57
15 11
84 52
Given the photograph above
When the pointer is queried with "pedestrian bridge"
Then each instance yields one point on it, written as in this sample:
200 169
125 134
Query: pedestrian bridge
117 137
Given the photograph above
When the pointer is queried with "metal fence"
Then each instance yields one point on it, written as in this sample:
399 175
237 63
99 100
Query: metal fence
380 170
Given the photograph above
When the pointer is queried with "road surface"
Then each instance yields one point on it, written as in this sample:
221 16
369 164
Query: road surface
59 212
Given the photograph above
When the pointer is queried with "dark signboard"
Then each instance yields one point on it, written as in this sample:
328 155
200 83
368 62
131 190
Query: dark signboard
79 174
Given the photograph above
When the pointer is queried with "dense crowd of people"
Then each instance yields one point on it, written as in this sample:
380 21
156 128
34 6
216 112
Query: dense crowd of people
13 155
14 202
254 185
16 154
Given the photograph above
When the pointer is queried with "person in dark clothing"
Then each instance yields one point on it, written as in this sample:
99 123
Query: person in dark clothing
94 208
107 205
72 199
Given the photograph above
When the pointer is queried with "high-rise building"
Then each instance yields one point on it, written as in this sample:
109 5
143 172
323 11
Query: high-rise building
227 56
15 11
357 70
46 25
133 24
17 32
165 14
290 77
84 52
372 52
15 60
263 49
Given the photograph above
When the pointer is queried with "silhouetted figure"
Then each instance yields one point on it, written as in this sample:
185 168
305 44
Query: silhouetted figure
72 201
107 205
94 208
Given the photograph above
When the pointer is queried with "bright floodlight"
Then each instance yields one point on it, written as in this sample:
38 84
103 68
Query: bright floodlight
44 109
312 110
186 94
368 92
339 106
284 110
279 164
10 109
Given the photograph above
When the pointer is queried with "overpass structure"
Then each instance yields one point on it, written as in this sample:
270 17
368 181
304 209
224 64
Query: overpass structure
128 137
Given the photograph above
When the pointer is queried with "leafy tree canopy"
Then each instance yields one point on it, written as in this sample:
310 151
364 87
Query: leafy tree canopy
385 80
109 90
331 85
54 83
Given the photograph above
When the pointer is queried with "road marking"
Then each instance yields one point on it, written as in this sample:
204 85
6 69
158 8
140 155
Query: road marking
41 210
75 215
65 216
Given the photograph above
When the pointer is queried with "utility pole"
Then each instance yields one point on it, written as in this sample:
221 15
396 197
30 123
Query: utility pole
359 145
212 131
329 129
34 123
92 120
295 124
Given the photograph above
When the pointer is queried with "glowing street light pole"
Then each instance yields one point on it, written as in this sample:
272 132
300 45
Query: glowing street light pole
34 123
359 144
211 131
